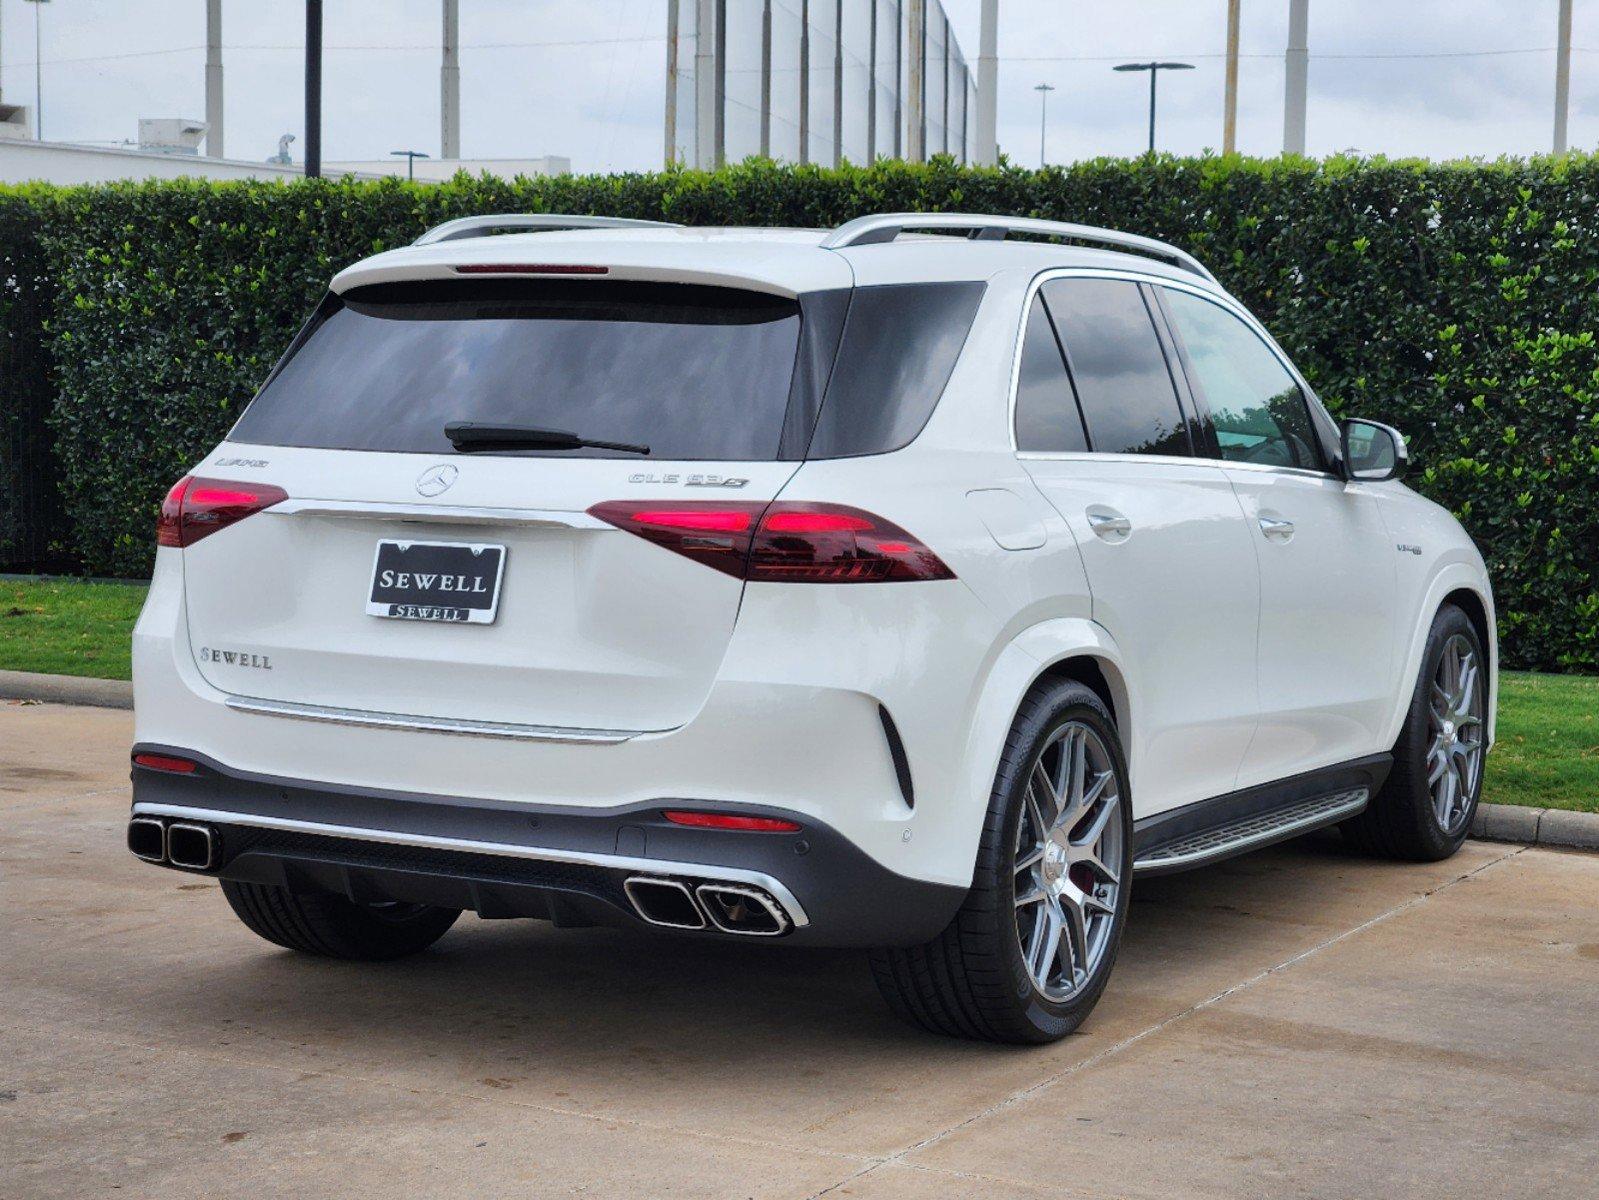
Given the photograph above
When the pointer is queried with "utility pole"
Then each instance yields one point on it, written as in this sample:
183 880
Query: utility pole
38 75
672 18
916 92
313 89
450 83
1229 120
1043 90
766 79
988 85
213 79
1154 69
1296 76
705 84
1562 75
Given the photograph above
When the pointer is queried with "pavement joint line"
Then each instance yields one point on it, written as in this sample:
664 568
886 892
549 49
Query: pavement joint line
453 1093
1131 1040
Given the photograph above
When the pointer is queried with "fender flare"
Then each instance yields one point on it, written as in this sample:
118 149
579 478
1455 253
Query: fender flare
1456 576
1020 663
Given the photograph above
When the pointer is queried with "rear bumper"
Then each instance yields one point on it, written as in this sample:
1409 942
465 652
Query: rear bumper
569 865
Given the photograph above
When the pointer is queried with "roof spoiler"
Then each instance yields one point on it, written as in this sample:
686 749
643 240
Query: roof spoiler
471 227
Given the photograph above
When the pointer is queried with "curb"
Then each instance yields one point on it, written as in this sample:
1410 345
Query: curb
1536 826
65 689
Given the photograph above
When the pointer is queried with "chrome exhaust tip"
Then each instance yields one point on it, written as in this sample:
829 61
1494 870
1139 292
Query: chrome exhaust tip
192 847
147 839
664 902
748 911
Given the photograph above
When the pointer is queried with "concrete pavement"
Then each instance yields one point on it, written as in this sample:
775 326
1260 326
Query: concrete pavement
1300 1022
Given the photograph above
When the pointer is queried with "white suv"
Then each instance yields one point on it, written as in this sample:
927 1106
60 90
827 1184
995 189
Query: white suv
853 588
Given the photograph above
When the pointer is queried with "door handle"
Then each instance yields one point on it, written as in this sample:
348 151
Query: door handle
1109 524
1277 528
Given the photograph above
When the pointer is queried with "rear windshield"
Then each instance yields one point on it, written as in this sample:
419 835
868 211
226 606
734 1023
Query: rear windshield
691 372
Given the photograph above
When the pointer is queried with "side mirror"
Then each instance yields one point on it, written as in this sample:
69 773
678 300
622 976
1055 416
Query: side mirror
1372 451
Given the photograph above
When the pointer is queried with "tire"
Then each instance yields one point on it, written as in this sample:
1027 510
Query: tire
333 927
1403 821
974 980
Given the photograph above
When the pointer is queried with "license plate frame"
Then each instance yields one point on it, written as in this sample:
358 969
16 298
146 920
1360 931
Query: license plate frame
453 581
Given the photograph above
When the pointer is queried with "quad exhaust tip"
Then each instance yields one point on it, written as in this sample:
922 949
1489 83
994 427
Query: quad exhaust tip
734 908
728 907
193 847
178 844
147 839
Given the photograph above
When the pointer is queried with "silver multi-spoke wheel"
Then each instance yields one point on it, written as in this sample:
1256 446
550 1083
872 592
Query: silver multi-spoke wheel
1454 757
1068 859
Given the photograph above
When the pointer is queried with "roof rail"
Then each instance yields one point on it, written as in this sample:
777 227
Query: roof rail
885 227
470 227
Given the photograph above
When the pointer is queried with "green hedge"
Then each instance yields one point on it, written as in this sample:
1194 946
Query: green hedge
1456 301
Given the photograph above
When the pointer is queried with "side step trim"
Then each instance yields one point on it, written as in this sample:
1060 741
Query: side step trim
700 872
1250 833
462 728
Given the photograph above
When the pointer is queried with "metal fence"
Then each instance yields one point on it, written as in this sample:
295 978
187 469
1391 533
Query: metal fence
815 81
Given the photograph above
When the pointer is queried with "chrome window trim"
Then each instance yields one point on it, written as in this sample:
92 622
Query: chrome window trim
415 724
1215 296
700 871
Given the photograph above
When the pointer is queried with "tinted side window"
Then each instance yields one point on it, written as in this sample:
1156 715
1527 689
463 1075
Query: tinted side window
899 346
1046 409
1123 383
1258 409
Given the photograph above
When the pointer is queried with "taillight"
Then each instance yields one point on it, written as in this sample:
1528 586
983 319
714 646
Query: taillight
166 762
782 542
196 508
709 820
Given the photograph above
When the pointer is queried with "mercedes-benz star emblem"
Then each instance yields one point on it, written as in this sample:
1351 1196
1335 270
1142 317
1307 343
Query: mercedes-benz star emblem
437 479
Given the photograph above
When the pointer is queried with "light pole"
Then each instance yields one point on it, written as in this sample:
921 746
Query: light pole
1154 69
1043 90
410 161
38 75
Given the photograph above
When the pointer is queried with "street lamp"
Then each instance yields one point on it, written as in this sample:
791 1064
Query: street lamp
1043 90
1154 69
410 161
38 75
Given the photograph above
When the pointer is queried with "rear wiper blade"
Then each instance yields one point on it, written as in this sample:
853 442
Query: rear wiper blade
467 436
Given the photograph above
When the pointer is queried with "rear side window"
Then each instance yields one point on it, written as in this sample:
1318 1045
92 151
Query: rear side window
1046 409
1124 386
1258 408
691 372
899 346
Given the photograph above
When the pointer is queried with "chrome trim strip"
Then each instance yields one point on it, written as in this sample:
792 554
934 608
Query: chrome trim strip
652 866
415 724
1321 817
440 513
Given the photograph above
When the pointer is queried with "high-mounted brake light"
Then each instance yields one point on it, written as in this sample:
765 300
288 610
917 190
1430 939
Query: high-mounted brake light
197 508
781 542
166 762
530 269
707 820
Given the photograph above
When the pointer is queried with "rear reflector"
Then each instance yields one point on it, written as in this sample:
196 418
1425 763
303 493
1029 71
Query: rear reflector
197 508
529 269
783 542
165 762
706 820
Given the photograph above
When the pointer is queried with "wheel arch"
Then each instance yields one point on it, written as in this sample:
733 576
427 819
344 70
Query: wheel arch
1468 590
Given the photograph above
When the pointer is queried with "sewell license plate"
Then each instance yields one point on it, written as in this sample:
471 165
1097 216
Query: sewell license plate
436 581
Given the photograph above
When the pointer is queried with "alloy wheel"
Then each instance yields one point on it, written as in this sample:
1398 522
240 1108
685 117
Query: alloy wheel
1455 752
1069 850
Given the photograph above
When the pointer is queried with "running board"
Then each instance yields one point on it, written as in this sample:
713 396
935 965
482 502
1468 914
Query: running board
1249 833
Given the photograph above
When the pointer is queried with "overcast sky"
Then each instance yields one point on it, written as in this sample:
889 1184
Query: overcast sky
1437 78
